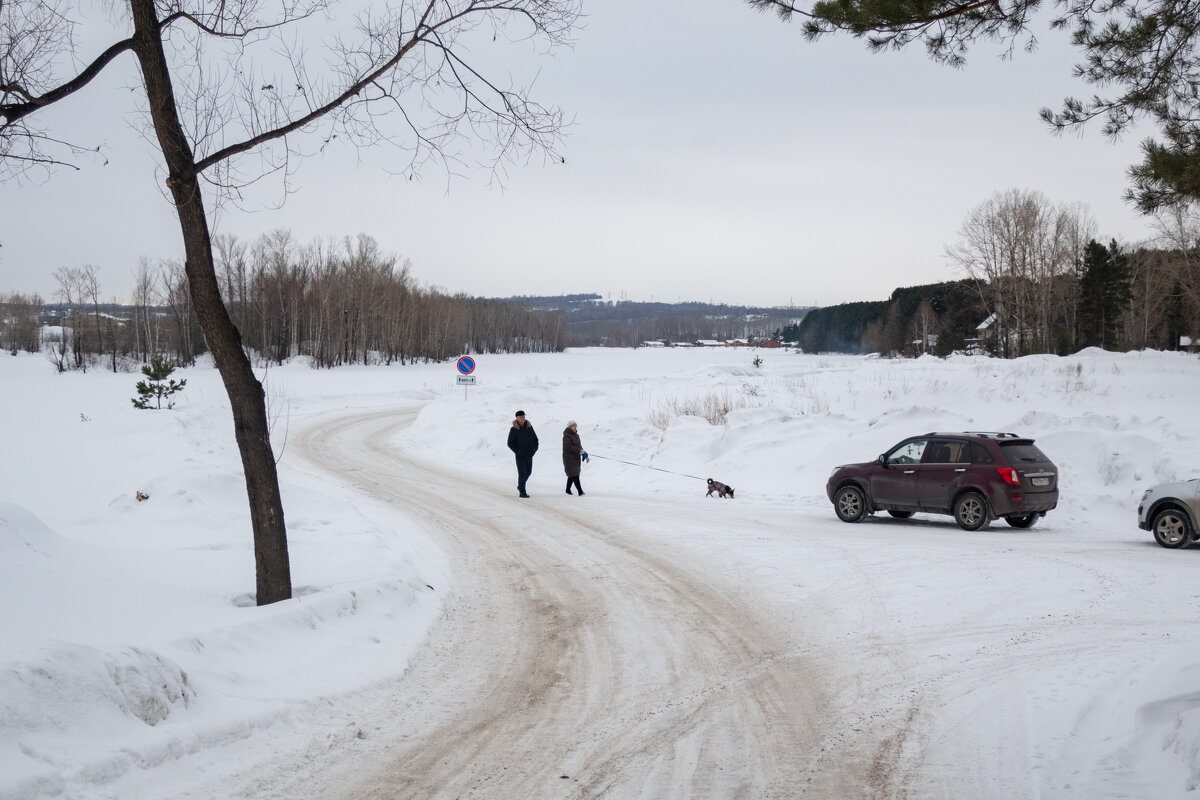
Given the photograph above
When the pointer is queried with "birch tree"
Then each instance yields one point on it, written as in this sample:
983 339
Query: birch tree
1015 247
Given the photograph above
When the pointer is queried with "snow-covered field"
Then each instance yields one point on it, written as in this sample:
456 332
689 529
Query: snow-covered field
1061 661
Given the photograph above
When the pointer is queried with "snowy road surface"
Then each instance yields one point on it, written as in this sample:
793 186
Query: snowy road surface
449 640
587 658
618 647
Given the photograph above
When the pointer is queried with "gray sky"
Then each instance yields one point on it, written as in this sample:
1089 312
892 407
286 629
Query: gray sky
716 155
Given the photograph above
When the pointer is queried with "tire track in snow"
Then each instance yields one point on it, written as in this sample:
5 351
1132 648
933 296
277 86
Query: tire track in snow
576 659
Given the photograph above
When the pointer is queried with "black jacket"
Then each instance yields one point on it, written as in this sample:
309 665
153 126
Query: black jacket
521 439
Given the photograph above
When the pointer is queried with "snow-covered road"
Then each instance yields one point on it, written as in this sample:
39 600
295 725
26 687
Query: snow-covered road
636 648
447 639
579 656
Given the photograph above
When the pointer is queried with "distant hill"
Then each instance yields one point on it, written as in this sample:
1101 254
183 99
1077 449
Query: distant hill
593 321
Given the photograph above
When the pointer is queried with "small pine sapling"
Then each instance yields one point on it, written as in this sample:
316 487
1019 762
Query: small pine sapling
157 384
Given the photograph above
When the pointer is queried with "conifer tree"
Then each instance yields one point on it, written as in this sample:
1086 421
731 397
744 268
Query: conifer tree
1146 53
1104 288
158 384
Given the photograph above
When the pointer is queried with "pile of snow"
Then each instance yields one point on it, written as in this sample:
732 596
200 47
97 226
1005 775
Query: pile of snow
130 637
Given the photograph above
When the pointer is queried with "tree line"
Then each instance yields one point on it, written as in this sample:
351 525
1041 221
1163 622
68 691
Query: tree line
1038 281
595 322
334 302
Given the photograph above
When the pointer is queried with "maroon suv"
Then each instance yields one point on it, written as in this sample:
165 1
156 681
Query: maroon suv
977 477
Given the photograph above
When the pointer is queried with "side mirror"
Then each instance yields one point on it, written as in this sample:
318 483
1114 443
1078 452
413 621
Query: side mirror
882 459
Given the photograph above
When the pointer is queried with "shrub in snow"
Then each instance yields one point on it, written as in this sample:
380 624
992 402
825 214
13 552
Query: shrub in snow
712 407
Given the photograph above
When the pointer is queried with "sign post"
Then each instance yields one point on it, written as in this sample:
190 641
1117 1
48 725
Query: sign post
466 365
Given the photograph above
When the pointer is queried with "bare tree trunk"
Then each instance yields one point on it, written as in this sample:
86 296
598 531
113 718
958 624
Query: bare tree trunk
246 395
90 291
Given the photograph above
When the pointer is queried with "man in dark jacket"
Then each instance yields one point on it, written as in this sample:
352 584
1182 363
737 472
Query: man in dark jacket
524 443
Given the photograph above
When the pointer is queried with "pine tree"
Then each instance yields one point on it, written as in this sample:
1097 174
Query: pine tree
1104 287
157 384
1147 54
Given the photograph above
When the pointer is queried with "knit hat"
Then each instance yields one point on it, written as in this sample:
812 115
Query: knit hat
571 424
519 414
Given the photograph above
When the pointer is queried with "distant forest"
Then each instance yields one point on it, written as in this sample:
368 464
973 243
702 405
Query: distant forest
1037 283
944 315
1146 298
594 322
338 302
334 302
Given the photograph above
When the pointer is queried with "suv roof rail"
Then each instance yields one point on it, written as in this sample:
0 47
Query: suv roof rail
987 434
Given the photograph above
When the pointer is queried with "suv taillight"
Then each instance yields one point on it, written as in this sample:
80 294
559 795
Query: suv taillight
1010 475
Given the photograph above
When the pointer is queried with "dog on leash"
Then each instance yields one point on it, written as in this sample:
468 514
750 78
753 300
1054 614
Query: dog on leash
721 489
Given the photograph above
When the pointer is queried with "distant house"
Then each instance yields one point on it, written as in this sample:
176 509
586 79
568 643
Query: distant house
709 343
1189 343
654 343
985 334
925 344
771 343
736 343
990 337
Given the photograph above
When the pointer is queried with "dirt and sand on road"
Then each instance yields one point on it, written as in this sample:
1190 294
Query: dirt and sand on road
578 658
628 647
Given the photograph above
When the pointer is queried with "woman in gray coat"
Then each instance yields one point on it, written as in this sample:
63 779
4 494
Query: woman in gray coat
573 456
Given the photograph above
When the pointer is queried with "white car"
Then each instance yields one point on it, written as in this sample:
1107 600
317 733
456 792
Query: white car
1170 511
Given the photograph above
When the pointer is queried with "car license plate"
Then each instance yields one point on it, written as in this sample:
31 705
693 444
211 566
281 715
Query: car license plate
1041 481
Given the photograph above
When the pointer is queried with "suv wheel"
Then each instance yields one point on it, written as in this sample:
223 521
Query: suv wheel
1022 520
971 511
850 504
1171 528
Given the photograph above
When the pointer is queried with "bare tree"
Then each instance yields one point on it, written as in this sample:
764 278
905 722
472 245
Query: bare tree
223 109
89 291
924 327
233 274
175 289
1015 247
1179 231
19 324
145 293
70 293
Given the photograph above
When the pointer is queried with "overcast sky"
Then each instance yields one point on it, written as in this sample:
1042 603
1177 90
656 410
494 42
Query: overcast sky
716 155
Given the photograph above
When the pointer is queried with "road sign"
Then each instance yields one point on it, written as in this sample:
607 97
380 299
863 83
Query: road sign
466 365
466 380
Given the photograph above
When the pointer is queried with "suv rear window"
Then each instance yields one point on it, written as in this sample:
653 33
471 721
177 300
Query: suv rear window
1026 452
980 455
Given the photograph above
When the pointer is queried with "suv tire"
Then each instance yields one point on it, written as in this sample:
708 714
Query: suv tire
1022 520
1172 529
850 504
971 511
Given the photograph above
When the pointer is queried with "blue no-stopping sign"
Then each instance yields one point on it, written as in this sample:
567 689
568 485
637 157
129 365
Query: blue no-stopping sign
466 365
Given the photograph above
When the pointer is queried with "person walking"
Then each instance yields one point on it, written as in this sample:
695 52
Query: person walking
523 441
573 456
